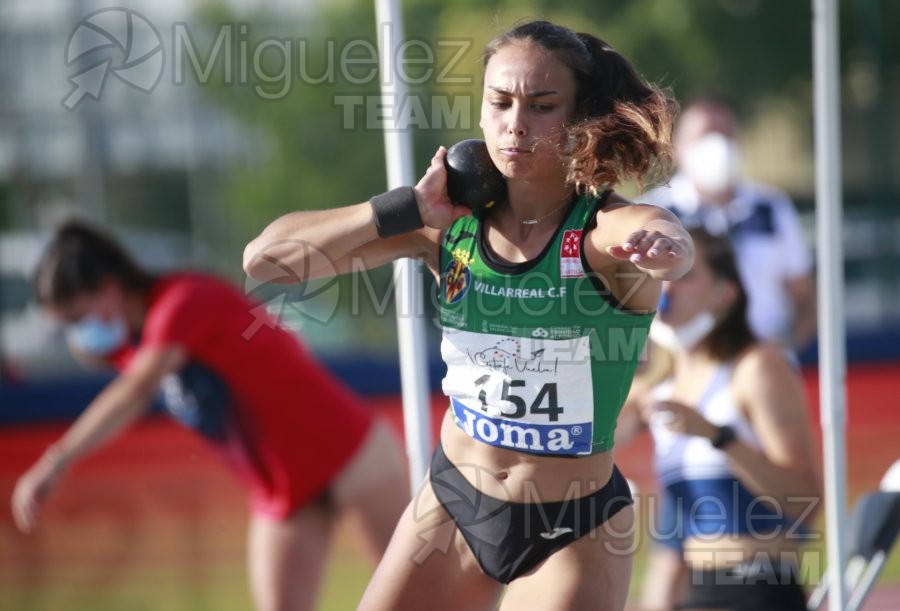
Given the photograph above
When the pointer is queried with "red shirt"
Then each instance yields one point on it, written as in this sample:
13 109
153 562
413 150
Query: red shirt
289 426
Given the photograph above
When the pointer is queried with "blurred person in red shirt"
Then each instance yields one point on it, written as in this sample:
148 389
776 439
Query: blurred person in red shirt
303 445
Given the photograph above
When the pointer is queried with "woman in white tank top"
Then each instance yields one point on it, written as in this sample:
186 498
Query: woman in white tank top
733 450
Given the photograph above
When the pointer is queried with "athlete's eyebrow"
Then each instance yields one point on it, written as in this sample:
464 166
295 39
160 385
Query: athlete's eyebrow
531 94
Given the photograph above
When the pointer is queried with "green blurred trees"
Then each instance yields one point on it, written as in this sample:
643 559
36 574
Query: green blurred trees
754 51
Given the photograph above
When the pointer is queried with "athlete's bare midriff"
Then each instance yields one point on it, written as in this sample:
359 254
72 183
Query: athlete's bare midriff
519 477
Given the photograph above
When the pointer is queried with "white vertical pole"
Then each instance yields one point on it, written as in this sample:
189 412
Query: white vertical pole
829 251
407 273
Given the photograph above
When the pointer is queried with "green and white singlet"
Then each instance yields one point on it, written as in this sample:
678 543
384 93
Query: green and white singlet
540 356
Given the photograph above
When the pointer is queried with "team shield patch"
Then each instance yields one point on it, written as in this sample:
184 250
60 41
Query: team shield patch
457 277
570 255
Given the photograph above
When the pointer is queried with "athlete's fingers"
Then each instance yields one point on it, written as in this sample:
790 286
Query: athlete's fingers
632 243
625 249
661 245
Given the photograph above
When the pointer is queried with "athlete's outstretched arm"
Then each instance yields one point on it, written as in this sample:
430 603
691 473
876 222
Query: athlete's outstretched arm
634 248
319 243
650 238
122 402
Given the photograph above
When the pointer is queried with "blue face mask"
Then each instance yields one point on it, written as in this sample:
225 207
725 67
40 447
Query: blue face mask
96 337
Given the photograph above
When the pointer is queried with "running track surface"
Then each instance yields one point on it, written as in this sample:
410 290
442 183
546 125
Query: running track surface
159 472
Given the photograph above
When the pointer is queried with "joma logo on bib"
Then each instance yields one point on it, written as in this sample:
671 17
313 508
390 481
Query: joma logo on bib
541 438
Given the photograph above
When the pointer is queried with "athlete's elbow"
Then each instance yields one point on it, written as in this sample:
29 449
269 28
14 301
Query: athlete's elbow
268 261
257 260
252 260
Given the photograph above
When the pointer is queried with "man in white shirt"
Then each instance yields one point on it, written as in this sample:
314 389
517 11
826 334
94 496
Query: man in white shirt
762 222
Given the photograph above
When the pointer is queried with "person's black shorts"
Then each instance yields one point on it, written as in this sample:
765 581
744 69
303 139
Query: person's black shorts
746 588
509 539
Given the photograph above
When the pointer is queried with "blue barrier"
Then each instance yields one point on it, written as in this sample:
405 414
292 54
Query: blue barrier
863 346
64 398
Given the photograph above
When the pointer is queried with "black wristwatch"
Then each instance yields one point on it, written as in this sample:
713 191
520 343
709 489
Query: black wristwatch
724 437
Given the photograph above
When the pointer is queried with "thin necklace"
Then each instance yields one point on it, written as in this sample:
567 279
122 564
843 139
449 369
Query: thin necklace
537 220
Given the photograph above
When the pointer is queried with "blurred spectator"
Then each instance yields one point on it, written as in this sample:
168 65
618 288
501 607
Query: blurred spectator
708 191
733 452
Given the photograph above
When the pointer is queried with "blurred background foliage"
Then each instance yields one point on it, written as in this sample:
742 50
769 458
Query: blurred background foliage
758 53
215 159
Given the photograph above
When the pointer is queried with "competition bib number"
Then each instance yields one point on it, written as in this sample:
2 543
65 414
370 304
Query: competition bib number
547 391
526 394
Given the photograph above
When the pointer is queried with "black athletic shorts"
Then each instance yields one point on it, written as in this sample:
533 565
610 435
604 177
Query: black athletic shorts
509 539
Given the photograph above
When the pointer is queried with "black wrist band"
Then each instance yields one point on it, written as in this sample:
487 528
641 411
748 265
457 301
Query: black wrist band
396 212
724 437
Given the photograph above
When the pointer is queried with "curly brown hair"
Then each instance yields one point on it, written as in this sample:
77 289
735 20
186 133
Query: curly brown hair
622 126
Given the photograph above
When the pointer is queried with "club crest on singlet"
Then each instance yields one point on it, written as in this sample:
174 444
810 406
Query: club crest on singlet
457 276
570 254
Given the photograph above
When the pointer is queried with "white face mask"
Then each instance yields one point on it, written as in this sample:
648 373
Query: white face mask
712 163
686 336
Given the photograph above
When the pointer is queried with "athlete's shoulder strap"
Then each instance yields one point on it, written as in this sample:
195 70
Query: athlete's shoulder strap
586 209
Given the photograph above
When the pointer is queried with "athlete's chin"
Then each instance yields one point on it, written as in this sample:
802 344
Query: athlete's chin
519 170
532 176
